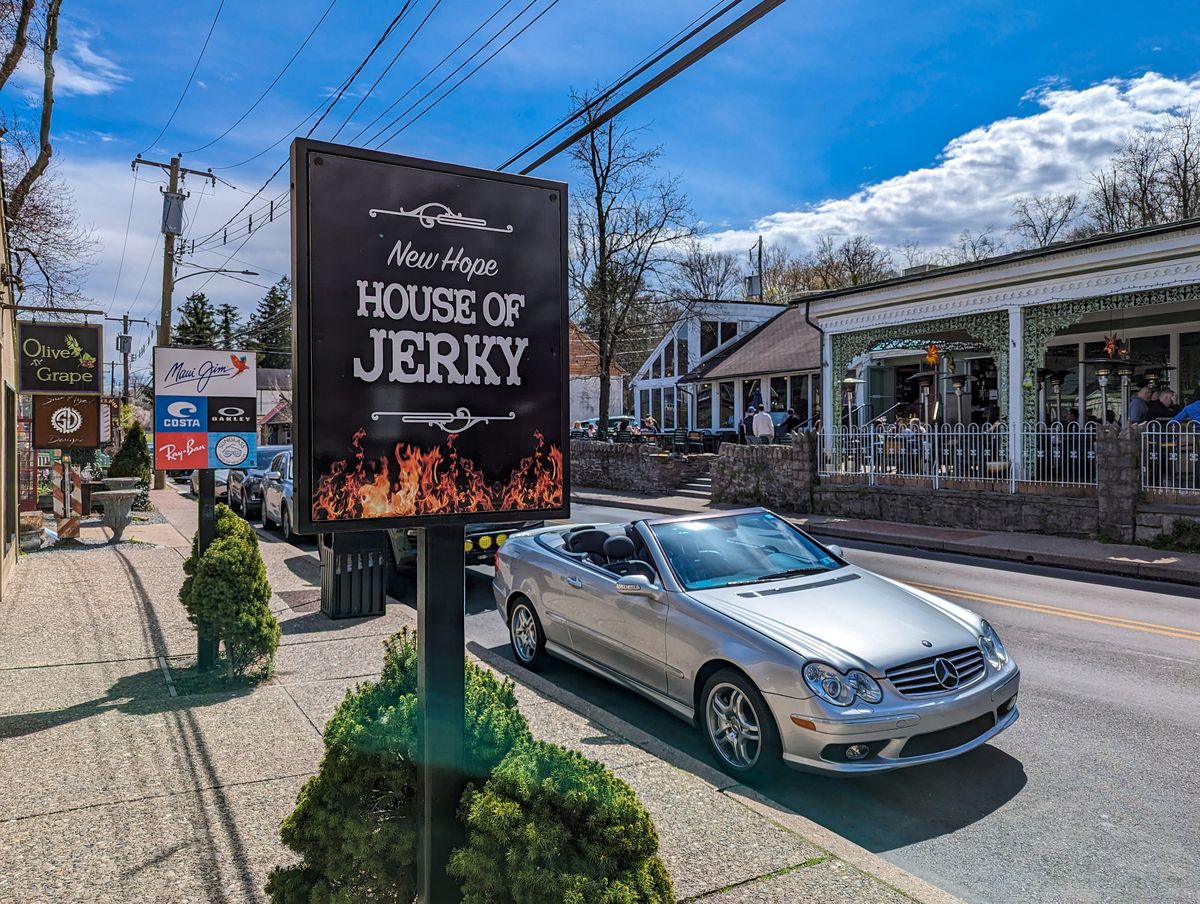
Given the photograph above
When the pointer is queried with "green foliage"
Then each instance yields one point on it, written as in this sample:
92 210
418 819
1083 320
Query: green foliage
133 458
356 821
270 329
1184 536
227 325
553 826
226 594
197 324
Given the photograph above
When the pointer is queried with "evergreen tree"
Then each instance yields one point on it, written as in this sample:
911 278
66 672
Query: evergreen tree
227 325
197 324
270 330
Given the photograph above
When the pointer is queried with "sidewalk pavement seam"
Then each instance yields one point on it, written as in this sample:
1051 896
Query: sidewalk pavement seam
198 789
774 874
300 709
63 665
300 643
162 664
854 855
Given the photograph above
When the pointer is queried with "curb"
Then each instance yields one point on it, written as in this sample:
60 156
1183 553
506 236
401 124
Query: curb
814 833
1144 570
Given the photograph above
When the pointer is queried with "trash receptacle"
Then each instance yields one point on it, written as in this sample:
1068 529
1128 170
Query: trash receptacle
354 570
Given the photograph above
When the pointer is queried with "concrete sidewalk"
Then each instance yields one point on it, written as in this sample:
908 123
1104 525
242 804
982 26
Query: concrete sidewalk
120 785
1034 549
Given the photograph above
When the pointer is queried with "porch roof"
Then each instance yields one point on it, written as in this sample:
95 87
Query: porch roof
783 344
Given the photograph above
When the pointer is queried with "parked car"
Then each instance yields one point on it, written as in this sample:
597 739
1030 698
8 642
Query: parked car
277 505
245 487
482 541
778 649
221 480
613 421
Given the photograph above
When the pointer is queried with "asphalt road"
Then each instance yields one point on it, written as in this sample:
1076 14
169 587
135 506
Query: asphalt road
1093 796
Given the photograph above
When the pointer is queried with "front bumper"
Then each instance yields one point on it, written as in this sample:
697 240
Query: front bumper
899 732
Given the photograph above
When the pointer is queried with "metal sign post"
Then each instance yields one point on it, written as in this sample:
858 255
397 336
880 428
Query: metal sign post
207 646
430 382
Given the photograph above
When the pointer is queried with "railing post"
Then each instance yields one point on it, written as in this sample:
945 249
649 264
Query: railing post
935 455
871 439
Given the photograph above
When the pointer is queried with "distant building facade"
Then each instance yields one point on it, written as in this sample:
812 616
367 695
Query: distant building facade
584 362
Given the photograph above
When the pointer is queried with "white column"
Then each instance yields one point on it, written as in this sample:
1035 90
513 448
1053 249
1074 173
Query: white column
1016 379
738 411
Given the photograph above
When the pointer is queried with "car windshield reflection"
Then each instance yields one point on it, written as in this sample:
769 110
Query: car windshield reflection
739 549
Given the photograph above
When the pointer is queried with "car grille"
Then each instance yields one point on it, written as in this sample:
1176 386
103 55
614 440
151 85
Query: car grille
920 679
948 738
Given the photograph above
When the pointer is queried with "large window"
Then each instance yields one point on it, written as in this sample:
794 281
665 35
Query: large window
656 367
752 394
1061 398
644 403
656 405
704 406
816 398
708 337
778 393
669 359
681 342
728 332
799 395
725 413
668 418
1189 366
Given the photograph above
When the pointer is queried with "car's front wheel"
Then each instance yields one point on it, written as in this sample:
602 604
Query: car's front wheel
526 635
739 727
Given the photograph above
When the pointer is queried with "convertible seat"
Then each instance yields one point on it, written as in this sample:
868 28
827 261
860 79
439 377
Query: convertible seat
589 543
619 552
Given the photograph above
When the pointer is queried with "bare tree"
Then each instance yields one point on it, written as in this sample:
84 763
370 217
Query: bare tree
625 224
1038 220
697 272
51 252
974 245
1181 165
855 261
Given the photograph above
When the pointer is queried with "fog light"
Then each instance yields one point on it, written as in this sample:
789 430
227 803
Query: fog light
500 538
485 542
1009 704
857 751
468 546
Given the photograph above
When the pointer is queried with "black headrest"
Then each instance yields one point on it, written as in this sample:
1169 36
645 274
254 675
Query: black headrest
618 547
591 540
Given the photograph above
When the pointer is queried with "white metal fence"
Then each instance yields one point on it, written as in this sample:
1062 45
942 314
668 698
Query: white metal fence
1170 453
952 455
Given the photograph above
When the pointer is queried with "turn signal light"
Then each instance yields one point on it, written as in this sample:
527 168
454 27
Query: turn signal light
468 546
804 723
485 542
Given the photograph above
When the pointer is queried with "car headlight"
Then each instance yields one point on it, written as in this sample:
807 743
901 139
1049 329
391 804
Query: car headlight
993 649
841 690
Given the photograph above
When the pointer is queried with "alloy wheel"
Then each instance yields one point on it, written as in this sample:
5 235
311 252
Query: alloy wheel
733 726
524 633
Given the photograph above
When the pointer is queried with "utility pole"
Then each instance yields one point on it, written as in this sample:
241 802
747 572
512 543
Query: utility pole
125 350
172 225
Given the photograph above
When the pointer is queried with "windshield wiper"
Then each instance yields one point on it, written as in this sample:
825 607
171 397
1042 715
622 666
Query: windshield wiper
791 573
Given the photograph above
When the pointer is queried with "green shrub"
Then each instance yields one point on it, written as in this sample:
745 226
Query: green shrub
356 821
552 826
1184 536
133 458
230 593
228 525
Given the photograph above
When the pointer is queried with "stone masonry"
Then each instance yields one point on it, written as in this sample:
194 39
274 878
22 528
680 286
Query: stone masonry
636 468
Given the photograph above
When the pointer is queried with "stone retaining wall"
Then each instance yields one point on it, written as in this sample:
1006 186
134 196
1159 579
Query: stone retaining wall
781 477
633 468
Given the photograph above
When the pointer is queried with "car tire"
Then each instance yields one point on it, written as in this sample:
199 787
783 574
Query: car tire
236 505
266 519
739 727
525 634
285 524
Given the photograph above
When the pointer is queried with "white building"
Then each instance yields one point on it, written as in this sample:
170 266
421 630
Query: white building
585 379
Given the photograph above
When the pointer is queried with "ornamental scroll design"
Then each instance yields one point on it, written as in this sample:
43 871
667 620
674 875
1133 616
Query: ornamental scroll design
989 329
1041 323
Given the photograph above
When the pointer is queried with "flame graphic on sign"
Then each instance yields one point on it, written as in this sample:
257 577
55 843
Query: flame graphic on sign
415 481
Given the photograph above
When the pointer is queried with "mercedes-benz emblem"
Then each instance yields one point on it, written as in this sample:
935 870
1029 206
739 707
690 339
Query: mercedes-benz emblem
945 673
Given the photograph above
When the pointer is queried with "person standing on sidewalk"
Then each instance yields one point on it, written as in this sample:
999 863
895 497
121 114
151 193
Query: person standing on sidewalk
763 427
746 427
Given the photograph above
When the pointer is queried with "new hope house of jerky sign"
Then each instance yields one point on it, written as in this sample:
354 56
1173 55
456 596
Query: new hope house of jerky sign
430 370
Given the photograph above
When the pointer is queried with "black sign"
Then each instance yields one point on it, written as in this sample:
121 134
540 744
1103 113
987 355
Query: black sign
59 358
431 336
66 422
230 415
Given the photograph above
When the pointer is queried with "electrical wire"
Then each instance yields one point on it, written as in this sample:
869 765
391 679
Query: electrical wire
124 244
274 81
203 47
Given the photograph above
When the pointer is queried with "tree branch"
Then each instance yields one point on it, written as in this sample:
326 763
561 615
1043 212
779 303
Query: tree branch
45 149
20 40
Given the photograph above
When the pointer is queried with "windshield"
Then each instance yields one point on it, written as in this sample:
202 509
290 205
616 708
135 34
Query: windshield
739 549
264 457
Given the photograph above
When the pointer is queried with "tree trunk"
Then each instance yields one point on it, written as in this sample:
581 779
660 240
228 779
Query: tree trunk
45 149
20 40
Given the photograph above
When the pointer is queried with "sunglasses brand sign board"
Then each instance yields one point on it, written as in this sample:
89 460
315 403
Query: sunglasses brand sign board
431 336
205 408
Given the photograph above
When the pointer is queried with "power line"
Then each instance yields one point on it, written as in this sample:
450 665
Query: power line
124 244
203 47
274 81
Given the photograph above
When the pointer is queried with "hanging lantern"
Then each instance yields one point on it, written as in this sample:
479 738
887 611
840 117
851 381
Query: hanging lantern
932 355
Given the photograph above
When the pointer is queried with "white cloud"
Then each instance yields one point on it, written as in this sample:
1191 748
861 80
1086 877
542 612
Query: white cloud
78 69
978 174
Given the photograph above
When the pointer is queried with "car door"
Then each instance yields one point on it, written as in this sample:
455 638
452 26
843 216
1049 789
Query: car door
626 634
270 499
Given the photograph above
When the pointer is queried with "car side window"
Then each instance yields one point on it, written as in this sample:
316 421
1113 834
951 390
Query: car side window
276 463
289 467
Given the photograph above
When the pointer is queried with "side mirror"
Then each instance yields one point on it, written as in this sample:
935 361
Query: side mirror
836 550
271 475
638 585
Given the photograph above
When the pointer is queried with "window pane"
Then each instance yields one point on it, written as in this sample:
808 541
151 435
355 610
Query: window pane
668 418
778 393
799 402
704 406
816 398
726 405
708 337
681 341
1061 387
669 359
728 331
751 394
1150 349
656 405
645 403
1189 366
656 367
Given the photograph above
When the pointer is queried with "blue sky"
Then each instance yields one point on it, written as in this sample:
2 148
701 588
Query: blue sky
904 121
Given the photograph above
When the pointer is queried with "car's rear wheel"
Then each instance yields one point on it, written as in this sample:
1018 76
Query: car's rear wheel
526 635
739 726
235 503
266 519
285 523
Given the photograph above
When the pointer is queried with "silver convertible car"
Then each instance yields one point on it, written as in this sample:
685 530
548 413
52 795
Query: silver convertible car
777 648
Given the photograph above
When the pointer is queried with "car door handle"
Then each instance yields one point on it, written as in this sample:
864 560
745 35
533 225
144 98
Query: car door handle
573 582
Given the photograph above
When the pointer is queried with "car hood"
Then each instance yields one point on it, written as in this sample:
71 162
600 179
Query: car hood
850 618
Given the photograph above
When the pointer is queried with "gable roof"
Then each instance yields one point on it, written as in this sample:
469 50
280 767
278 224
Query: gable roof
784 344
583 356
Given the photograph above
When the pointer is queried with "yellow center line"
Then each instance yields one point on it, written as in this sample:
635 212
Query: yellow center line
1046 609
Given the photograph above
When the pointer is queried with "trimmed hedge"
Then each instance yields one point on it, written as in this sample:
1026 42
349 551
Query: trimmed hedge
226 594
133 458
355 824
551 825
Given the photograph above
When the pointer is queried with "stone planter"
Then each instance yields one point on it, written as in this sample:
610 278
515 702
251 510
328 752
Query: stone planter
31 531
